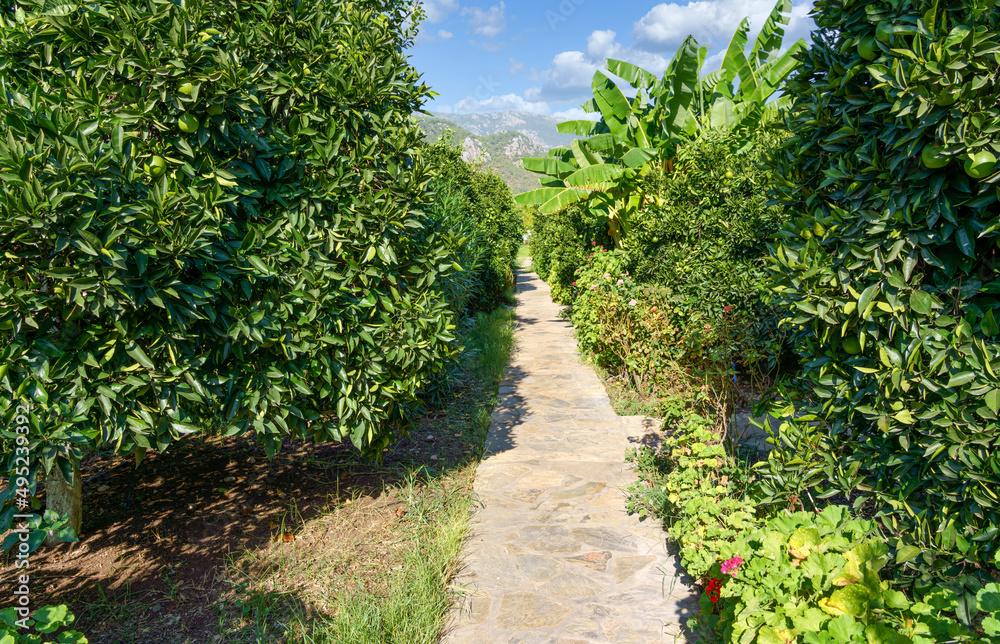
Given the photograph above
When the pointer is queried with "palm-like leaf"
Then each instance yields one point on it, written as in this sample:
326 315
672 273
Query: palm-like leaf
632 74
566 197
595 177
769 40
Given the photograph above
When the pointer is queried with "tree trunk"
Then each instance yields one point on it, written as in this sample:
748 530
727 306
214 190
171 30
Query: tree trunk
63 498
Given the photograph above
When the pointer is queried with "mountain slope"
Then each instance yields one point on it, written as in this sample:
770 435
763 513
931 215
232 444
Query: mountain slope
541 129
502 151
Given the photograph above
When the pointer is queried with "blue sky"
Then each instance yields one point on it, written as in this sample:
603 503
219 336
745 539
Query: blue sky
540 55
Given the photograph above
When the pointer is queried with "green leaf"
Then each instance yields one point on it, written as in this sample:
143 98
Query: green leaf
565 198
259 265
139 355
582 127
992 399
594 177
907 553
961 378
547 165
921 302
682 79
637 157
537 196
631 74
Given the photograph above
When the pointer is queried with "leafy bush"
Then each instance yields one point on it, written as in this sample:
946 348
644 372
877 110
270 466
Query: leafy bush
888 272
789 577
214 230
702 232
477 202
816 577
559 244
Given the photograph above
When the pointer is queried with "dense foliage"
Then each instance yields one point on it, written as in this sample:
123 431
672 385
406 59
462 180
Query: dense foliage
604 172
213 217
688 289
559 245
478 204
787 577
888 271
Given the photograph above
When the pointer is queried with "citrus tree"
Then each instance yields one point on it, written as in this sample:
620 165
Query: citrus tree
888 272
212 222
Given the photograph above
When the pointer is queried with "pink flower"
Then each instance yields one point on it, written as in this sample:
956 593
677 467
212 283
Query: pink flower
593 243
593 286
574 283
620 282
607 276
729 566
632 302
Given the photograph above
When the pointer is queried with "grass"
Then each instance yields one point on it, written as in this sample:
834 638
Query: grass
625 399
400 594
523 252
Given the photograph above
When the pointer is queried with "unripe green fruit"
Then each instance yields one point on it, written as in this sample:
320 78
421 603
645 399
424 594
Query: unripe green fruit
156 166
980 164
852 346
867 48
884 32
188 123
214 109
185 88
729 174
929 156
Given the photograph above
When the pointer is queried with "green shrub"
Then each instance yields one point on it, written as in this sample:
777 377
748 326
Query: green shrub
559 245
478 203
214 229
702 232
789 577
887 270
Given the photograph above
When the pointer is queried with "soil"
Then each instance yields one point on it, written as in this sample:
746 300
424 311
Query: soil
160 542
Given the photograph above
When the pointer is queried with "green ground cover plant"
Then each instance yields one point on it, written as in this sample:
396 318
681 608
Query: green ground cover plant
780 576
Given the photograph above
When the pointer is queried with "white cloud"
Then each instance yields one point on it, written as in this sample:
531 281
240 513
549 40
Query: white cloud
442 34
488 23
472 105
712 22
571 72
516 66
438 10
575 113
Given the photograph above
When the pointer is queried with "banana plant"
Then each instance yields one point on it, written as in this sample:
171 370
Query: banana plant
746 103
604 166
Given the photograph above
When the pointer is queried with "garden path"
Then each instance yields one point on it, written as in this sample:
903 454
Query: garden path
552 556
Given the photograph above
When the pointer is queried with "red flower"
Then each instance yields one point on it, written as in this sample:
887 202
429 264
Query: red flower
728 308
714 590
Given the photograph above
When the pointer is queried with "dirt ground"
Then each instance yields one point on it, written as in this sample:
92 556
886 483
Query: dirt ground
169 549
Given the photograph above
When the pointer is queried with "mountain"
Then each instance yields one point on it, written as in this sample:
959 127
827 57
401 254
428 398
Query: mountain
500 140
541 129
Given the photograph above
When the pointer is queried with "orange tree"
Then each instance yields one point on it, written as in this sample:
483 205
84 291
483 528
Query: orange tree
211 220
888 272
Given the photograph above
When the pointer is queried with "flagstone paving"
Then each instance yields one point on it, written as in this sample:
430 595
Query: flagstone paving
552 556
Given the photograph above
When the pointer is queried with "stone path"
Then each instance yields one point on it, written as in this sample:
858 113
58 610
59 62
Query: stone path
552 556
